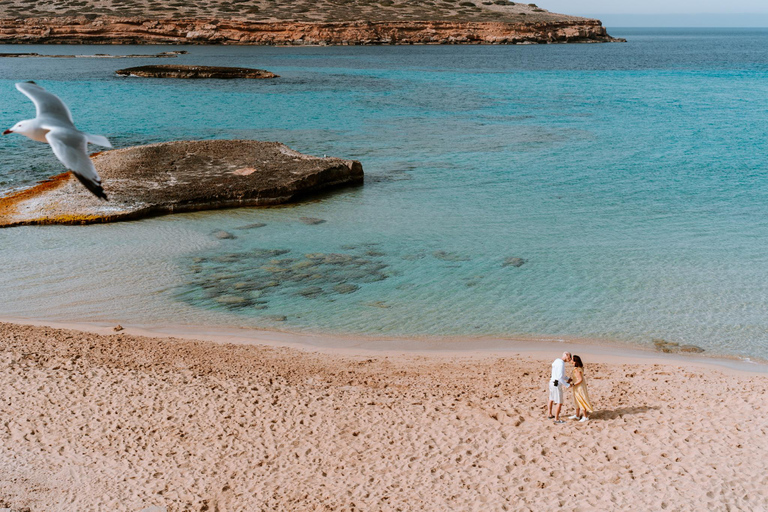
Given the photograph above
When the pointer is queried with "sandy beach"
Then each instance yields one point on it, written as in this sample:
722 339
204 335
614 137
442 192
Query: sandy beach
124 422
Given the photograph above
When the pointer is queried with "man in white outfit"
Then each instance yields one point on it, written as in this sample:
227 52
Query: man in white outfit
557 383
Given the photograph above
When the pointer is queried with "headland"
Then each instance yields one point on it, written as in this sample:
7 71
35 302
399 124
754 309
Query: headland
259 22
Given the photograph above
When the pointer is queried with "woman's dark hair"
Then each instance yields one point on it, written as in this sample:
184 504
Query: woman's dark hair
577 362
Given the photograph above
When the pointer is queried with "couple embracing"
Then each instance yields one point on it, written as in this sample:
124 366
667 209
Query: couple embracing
559 382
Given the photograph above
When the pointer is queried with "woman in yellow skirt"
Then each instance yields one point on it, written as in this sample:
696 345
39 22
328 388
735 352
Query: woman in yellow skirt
580 393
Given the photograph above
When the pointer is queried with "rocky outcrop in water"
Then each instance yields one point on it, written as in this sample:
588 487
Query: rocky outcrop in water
144 30
180 176
172 71
161 55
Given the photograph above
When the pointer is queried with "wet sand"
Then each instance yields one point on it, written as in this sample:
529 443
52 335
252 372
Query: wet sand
119 421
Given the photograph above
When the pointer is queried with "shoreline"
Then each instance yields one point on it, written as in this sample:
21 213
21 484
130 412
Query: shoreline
122 422
600 351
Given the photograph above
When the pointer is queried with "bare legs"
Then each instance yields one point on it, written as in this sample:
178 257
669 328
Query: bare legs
557 410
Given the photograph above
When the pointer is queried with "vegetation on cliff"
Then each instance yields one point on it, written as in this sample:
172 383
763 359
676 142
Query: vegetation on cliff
323 11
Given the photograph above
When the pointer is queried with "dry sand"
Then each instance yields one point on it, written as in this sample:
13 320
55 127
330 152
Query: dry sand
121 422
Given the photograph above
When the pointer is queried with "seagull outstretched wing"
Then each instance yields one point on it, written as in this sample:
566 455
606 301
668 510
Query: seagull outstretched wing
71 148
46 103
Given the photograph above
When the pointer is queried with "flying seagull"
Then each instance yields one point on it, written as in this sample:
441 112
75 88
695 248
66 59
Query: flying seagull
54 125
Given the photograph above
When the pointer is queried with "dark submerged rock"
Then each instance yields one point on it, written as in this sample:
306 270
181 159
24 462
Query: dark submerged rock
255 225
312 221
224 235
175 71
514 262
311 292
232 300
449 256
258 276
673 347
346 288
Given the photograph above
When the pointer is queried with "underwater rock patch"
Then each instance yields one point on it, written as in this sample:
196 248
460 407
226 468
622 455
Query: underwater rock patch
258 276
449 256
514 262
312 221
377 304
255 225
673 347
312 291
224 235
346 288
231 299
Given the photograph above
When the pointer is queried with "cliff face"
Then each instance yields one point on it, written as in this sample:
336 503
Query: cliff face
140 30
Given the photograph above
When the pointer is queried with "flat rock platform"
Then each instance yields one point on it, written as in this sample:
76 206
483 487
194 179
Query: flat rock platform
180 176
174 71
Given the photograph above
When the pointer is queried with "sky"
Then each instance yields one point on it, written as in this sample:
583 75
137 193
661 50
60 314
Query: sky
658 13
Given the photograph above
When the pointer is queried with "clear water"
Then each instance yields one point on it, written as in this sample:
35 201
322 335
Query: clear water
630 178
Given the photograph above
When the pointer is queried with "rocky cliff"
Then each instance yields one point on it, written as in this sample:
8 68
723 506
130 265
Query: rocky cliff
142 30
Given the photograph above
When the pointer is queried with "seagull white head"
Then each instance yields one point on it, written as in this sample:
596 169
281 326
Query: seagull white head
28 128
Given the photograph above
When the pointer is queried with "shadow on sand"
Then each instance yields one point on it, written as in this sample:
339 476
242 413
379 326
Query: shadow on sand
618 413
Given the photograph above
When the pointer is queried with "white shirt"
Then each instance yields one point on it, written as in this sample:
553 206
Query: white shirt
558 371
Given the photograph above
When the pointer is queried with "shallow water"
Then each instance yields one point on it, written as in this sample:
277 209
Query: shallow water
630 179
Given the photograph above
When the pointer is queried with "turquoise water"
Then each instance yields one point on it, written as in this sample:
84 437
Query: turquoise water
629 178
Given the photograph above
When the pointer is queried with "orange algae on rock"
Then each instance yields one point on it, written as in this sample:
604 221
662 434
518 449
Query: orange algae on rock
9 204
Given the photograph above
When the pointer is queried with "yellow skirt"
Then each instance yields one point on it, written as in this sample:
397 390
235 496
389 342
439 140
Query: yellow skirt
581 397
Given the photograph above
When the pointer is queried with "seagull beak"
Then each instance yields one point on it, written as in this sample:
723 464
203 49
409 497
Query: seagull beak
6 132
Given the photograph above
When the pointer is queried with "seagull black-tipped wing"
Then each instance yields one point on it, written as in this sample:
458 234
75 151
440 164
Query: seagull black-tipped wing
70 147
46 103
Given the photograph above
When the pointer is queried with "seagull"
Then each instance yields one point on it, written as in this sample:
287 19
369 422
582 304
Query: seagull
54 125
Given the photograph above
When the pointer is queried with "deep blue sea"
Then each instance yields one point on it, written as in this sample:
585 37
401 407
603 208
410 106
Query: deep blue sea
629 179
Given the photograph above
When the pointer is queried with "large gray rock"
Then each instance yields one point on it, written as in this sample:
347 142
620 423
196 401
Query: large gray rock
180 176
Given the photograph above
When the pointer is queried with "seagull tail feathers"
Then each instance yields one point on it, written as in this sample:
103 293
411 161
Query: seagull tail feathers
94 187
99 140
